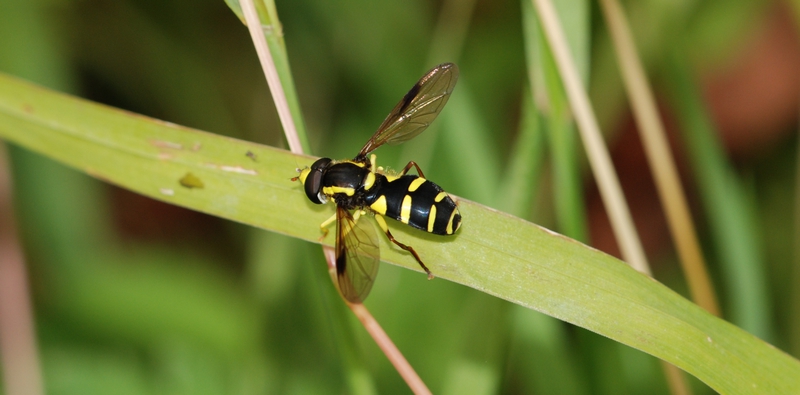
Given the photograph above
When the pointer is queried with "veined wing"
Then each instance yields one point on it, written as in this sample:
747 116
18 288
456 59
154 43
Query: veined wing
357 256
417 110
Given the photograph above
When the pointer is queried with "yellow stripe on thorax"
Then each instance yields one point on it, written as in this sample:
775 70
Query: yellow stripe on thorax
330 191
359 164
369 181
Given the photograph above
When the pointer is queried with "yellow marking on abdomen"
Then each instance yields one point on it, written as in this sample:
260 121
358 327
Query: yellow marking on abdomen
449 229
440 197
405 209
379 206
416 184
431 218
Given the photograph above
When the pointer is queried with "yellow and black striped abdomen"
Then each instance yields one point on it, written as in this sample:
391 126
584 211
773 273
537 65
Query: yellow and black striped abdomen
417 202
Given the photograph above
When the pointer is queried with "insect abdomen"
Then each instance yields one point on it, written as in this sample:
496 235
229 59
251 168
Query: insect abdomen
417 202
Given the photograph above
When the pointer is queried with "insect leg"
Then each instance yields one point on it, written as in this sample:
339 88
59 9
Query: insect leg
385 228
324 226
372 159
408 167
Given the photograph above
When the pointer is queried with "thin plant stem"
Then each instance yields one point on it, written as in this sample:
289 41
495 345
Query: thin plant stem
660 158
18 351
596 150
383 341
600 161
367 320
270 71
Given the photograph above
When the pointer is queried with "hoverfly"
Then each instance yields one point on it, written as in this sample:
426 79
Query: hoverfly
358 185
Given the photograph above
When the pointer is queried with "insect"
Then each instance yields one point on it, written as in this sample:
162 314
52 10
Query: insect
358 185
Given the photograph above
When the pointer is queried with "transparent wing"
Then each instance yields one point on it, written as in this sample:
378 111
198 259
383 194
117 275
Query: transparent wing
417 110
357 256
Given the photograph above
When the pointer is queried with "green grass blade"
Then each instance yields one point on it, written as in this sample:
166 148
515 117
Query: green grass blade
563 139
495 253
729 209
525 162
539 334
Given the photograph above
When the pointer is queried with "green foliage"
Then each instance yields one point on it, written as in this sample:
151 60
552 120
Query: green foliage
196 305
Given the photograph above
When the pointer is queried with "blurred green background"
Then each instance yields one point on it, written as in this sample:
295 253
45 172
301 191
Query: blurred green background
134 296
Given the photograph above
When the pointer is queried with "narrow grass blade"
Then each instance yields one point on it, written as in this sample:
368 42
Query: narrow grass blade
728 209
494 252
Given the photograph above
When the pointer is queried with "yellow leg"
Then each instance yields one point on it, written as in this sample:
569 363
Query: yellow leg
372 159
324 226
382 223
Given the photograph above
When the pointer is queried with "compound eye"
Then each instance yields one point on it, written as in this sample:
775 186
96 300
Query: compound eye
313 184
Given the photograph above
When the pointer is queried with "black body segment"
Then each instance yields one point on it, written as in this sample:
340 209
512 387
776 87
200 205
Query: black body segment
422 198
344 182
357 186
344 175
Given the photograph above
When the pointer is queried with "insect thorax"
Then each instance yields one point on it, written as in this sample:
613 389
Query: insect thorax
347 183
